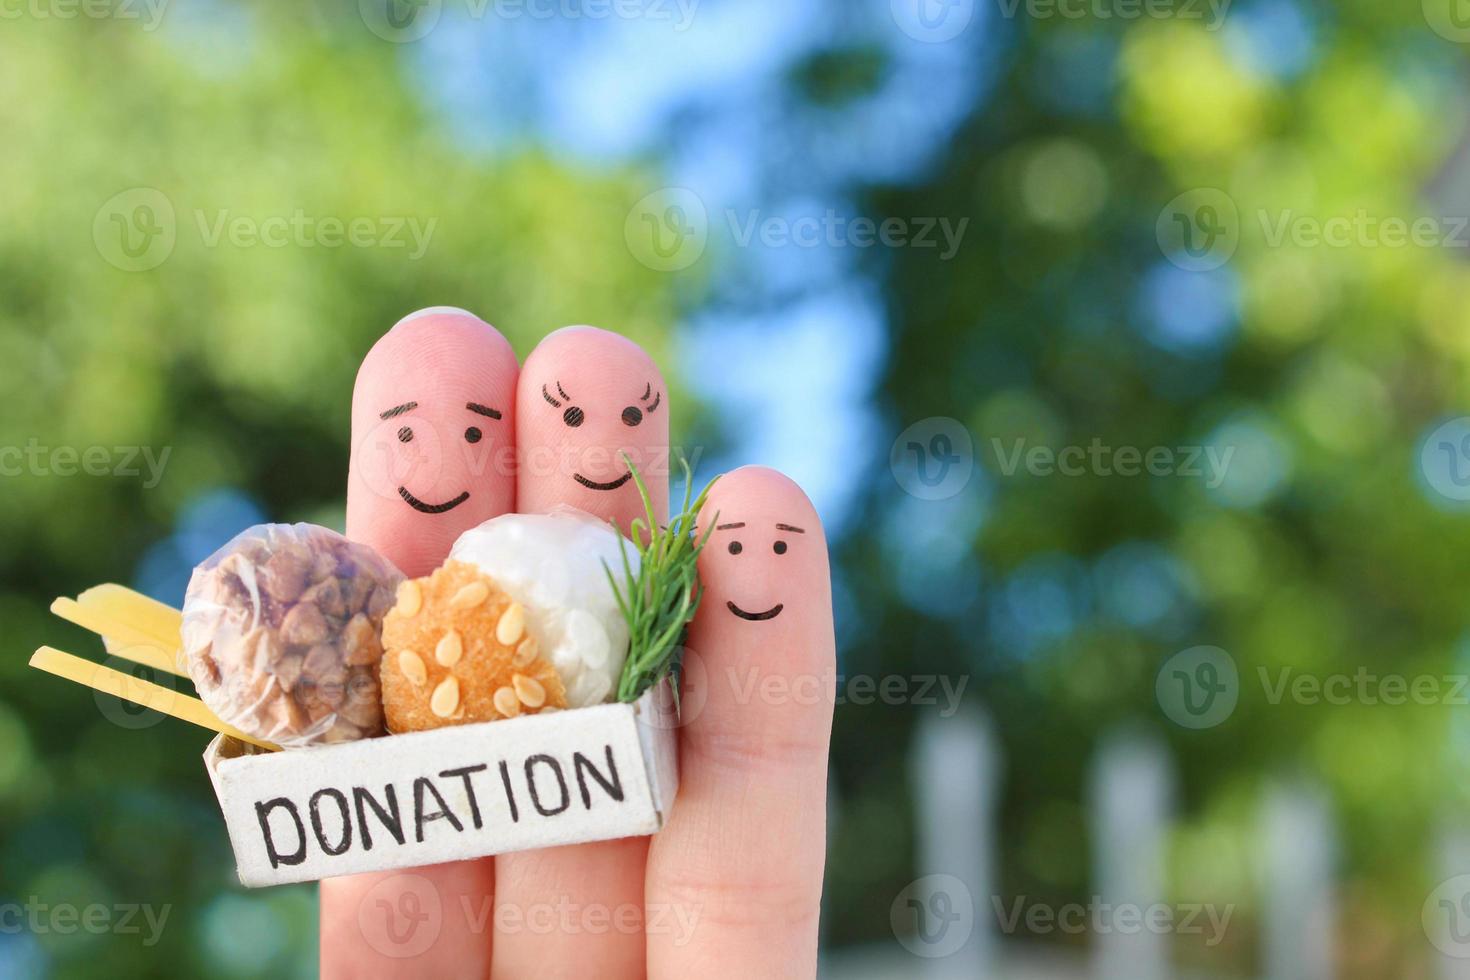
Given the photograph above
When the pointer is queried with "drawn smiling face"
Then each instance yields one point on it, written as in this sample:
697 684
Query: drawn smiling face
765 555
586 397
733 536
408 413
432 447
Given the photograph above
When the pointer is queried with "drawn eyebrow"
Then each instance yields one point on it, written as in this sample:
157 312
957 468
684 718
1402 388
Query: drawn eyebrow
398 410
647 390
479 409
729 527
788 527
547 395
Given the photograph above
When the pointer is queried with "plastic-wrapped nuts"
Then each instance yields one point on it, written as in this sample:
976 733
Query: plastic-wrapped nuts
283 634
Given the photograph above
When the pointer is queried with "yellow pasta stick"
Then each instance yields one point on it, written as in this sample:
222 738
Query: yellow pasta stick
135 627
138 691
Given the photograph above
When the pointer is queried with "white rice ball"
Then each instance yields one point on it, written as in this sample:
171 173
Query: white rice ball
553 565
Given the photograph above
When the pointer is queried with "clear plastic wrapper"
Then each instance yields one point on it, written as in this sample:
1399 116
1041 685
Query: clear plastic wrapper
282 634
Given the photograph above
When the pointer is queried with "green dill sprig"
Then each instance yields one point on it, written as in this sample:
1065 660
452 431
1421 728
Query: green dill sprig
660 599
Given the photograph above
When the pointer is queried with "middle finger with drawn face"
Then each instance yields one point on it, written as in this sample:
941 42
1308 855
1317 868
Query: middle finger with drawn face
585 395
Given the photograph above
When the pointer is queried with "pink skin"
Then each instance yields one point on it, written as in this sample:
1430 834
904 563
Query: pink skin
749 894
443 361
597 377
753 763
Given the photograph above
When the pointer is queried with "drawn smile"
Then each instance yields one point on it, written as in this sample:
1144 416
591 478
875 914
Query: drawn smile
424 508
594 485
759 617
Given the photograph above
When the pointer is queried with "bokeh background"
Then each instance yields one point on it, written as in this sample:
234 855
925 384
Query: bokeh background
906 251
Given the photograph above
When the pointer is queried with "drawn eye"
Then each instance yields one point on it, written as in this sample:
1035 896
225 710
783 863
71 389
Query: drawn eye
632 415
472 434
405 434
779 547
573 416
735 548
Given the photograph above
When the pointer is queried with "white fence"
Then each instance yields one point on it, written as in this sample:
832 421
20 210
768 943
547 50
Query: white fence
957 769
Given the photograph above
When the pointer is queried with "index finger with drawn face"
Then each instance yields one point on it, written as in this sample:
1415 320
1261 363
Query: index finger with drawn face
433 436
433 416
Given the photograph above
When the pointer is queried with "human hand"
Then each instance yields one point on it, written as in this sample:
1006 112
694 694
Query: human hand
448 433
